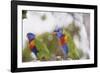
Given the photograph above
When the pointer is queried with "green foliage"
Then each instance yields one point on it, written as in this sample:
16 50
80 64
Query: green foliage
26 54
72 29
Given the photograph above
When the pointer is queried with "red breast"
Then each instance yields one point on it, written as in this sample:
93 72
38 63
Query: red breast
32 44
62 40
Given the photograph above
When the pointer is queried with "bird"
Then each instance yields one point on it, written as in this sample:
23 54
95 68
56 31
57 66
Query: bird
38 47
32 45
62 39
73 50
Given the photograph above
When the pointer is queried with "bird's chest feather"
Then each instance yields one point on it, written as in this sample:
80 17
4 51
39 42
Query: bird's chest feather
32 44
63 40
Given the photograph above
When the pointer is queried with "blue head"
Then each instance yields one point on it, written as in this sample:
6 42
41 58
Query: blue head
30 36
59 32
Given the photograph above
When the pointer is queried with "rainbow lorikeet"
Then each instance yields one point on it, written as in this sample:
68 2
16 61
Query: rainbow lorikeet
32 46
38 47
62 41
73 50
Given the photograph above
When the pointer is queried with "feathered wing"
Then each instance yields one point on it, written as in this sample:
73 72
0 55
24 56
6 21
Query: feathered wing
53 45
43 52
73 51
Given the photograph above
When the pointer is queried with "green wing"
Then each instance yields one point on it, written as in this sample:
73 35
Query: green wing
73 51
52 43
42 48
26 53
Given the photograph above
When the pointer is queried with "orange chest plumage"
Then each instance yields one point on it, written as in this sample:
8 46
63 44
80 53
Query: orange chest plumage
32 44
63 40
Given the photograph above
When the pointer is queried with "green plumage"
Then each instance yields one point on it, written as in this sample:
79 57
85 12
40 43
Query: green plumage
26 54
49 48
52 44
43 53
73 51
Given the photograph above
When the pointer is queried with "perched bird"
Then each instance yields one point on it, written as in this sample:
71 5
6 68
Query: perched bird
32 45
38 47
62 41
73 50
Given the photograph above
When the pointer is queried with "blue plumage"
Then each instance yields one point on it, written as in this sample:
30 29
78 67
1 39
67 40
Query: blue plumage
65 48
60 35
30 36
34 50
32 46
